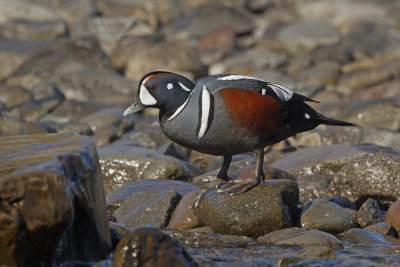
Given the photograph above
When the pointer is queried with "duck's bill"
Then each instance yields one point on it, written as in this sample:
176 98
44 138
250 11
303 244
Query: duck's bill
135 107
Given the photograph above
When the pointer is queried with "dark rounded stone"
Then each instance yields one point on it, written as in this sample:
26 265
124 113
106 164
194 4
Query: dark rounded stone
370 213
326 216
146 246
264 208
344 202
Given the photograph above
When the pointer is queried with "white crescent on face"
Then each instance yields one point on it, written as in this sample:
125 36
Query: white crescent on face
145 97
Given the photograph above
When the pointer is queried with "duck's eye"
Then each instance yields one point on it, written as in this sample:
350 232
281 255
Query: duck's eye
170 86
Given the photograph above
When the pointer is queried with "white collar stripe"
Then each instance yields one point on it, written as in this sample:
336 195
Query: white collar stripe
205 111
184 87
180 108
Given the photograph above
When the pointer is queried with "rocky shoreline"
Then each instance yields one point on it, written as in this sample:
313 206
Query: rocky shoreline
82 184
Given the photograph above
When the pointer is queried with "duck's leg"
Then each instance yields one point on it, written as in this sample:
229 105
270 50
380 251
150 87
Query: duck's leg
222 178
236 187
223 172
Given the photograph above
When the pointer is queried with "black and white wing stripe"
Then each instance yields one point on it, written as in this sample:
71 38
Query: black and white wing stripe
284 93
280 91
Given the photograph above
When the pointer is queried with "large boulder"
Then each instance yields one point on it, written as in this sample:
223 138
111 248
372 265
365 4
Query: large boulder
265 208
52 204
374 175
123 164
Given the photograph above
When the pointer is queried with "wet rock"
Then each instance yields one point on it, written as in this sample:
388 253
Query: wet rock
128 46
175 55
380 112
11 96
183 217
362 236
353 213
16 126
53 198
105 135
386 89
72 11
75 128
343 202
370 213
13 53
317 252
151 137
46 97
123 164
31 111
110 117
368 39
110 30
62 57
97 86
368 176
384 228
202 160
262 209
341 135
259 5
146 246
32 30
381 136
301 237
27 10
71 111
326 216
120 194
393 215
325 73
207 17
154 12
241 167
342 13
362 78
250 62
318 160
305 36
148 208
213 46
204 237
171 149
281 234
311 187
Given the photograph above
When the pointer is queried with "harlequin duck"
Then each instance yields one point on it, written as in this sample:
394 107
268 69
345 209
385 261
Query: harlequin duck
227 115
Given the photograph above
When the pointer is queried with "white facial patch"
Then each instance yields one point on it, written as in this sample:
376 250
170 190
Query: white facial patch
238 77
170 86
263 91
145 97
205 111
307 116
183 87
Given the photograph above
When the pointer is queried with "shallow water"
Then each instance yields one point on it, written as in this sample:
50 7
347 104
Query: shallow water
218 250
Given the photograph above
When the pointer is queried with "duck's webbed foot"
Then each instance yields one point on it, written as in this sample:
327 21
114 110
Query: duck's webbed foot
200 195
236 187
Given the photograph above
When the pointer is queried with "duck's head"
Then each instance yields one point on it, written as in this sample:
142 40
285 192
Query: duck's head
163 90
